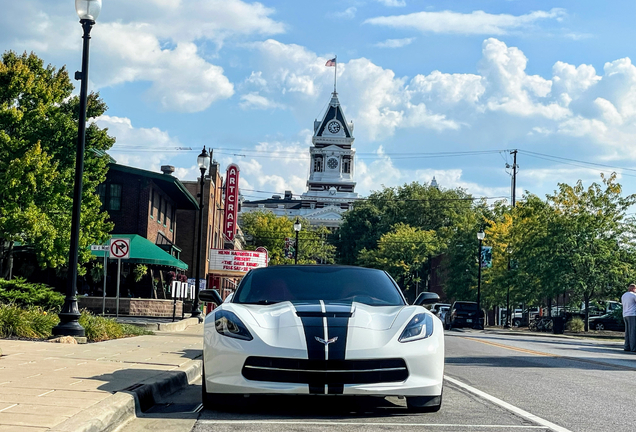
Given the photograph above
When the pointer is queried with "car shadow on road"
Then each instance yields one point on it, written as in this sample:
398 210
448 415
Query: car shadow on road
318 407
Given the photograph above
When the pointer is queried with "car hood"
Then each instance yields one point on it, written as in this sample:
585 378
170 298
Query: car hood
288 314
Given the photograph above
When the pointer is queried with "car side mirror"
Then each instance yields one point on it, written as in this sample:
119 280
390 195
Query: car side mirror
210 296
426 298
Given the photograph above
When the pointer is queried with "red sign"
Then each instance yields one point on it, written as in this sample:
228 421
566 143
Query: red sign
236 261
231 201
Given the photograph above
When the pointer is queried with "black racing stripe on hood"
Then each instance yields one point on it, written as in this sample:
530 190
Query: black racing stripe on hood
313 328
337 325
312 318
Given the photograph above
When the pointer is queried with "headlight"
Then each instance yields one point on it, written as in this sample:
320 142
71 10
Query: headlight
228 324
420 327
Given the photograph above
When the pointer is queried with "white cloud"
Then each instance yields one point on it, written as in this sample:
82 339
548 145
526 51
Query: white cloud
477 22
256 101
395 43
158 41
348 13
393 3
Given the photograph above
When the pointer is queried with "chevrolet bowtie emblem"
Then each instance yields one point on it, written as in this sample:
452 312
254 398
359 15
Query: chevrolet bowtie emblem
326 342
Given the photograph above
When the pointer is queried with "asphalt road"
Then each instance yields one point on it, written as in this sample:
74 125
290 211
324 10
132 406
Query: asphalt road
495 382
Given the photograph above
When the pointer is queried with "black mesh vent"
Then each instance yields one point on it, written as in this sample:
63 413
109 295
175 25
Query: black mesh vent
325 372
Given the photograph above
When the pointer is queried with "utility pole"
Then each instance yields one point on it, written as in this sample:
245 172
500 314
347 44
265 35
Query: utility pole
514 187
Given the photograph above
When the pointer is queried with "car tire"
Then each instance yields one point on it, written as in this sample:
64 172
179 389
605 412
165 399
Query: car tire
516 323
424 404
216 401
599 326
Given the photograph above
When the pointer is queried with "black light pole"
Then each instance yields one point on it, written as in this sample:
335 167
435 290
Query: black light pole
203 160
480 236
88 11
297 227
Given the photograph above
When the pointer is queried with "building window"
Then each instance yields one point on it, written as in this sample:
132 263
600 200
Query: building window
114 202
159 209
346 165
172 216
165 212
317 163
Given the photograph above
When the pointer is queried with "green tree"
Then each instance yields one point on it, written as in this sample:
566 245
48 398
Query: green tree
402 253
578 241
38 141
264 228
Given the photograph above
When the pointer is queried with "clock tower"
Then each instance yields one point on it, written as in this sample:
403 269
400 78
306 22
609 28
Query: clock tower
331 158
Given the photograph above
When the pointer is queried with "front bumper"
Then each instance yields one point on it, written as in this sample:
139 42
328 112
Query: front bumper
225 366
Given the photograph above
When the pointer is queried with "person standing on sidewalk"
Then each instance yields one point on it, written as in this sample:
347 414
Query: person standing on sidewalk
629 316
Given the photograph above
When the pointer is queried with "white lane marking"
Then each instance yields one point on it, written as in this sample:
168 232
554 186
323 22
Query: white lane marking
336 423
11 406
507 406
50 391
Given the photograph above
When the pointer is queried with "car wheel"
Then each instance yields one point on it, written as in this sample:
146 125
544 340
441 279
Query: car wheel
216 401
599 326
422 404
516 323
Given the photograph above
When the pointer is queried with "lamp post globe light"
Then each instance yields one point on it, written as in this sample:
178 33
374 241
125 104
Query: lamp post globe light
297 228
88 11
480 236
203 161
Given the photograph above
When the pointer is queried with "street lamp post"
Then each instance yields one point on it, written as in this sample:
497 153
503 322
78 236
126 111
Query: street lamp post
480 236
297 227
88 11
203 160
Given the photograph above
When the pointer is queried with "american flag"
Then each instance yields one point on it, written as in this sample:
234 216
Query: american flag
331 62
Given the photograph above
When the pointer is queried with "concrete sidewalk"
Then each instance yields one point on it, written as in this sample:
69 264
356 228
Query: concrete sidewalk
92 387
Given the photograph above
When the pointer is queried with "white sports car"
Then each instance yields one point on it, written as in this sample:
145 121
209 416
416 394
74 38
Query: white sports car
334 330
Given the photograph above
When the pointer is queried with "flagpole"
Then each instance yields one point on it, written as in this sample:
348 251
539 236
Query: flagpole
335 75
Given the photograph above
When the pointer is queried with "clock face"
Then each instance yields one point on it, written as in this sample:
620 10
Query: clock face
334 127
332 163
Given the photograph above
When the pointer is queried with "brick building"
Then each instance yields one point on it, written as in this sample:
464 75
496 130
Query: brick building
188 221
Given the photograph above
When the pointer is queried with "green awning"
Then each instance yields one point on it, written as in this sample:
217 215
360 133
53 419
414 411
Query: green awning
143 251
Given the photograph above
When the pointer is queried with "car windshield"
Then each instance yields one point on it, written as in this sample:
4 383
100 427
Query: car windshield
466 306
313 283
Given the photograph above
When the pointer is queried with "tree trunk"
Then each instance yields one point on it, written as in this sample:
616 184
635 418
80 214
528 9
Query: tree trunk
587 311
7 257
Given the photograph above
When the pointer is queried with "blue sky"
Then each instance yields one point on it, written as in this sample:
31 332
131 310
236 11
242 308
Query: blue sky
416 77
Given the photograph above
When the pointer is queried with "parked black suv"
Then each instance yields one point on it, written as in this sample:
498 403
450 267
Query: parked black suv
463 314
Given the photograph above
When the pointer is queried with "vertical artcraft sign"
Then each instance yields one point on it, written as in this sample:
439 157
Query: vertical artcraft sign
231 201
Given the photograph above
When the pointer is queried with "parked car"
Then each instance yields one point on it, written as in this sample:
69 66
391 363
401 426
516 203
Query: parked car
607 322
463 314
442 312
329 330
436 307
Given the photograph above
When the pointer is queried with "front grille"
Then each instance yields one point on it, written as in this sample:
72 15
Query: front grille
325 372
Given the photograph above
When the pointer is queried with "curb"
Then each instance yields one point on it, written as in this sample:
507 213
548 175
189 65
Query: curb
112 412
176 326
552 335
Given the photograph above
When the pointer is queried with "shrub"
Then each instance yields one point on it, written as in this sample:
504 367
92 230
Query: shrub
25 295
575 325
33 322
100 328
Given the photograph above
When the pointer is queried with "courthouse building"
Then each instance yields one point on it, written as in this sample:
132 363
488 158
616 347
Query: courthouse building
330 187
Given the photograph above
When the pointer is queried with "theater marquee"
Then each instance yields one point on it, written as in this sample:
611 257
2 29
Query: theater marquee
227 262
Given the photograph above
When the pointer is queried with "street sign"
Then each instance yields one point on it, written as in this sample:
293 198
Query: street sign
100 247
120 248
